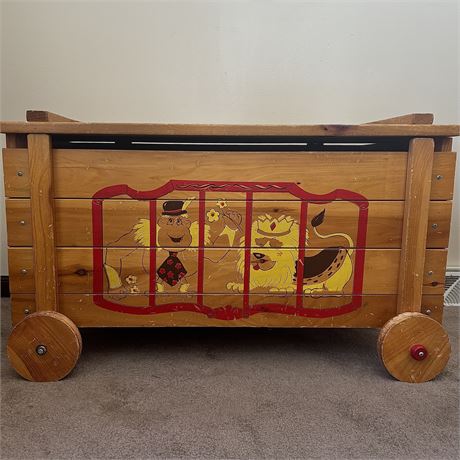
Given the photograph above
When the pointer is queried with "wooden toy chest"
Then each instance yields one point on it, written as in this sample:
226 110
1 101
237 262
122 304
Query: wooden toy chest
210 225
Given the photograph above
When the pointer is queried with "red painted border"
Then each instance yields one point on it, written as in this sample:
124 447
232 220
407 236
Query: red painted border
228 312
247 254
201 221
301 257
153 251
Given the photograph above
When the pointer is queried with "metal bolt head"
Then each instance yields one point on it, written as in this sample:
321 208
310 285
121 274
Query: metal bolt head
23 271
428 312
439 177
435 226
41 350
20 173
430 273
22 222
26 311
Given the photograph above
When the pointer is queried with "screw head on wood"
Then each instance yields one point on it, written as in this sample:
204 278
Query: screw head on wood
20 173
435 226
23 271
22 222
26 311
41 350
428 312
430 272
439 177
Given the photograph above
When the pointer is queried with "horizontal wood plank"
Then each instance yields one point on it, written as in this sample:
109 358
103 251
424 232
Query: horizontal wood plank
16 172
82 173
330 130
75 270
375 312
73 221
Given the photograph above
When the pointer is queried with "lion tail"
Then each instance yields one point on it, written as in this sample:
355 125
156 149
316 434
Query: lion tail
330 235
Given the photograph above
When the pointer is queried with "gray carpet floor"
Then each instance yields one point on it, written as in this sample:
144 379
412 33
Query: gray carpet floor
225 393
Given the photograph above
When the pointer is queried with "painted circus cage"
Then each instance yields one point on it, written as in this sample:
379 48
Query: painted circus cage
224 225
275 227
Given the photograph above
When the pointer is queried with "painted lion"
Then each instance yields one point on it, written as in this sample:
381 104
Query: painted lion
274 256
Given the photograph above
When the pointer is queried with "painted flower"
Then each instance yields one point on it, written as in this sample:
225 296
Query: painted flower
213 215
170 275
131 279
178 266
222 203
134 290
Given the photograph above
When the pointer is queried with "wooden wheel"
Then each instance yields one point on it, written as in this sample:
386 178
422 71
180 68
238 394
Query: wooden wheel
44 346
413 347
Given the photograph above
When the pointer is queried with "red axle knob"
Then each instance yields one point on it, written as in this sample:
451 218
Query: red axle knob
418 352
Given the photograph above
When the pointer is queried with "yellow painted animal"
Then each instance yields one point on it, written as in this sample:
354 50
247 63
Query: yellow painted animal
274 257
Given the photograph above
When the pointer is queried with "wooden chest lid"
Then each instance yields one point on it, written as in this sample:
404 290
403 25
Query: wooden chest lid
412 125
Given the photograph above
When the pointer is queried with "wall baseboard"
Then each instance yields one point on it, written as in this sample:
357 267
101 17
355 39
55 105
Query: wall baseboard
5 287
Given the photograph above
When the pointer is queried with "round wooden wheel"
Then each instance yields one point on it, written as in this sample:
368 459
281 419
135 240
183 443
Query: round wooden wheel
44 346
413 347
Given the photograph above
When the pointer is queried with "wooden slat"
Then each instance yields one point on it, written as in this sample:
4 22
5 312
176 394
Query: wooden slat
443 144
18 222
377 176
21 270
330 130
374 313
42 219
376 310
21 306
439 223
367 174
409 119
73 220
45 116
16 141
419 170
433 306
16 172
443 176
75 269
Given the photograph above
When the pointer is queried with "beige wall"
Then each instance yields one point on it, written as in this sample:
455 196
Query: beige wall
233 62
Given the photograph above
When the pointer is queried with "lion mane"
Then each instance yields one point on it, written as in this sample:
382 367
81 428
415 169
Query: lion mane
281 277
282 274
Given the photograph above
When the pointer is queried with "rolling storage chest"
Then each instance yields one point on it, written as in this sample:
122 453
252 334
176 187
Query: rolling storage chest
151 225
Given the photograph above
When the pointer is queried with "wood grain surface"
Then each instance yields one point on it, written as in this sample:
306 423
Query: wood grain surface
375 175
42 220
75 269
376 310
45 116
404 331
415 224
410 118
330 130
403 191
73 221
61 341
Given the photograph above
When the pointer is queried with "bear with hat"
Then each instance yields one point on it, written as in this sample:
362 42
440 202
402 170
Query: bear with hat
173 235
